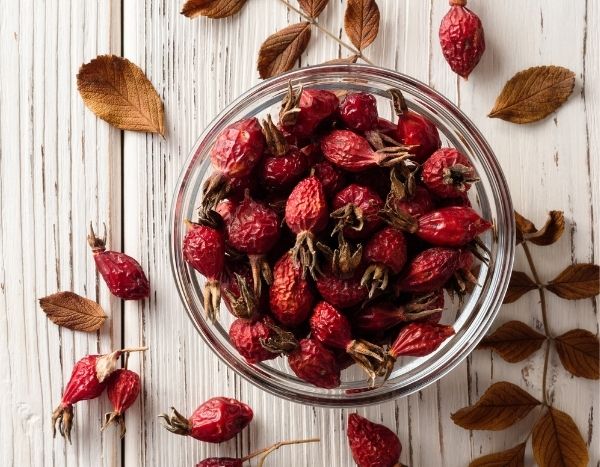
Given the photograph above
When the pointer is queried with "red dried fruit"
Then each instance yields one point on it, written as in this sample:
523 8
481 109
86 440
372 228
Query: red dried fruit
372 444
332 328
237 290
204 250
461 38
383 315
358 111
341 292
260 340
302 113
386 127
313 153
352 152
331 177
421 202
462 200
306 214
226 208
429 270
88 380
376 179
314 363
356 209
123 389
290 297
217 420
414 129
448 173
221 462
385 253
254 229
123 275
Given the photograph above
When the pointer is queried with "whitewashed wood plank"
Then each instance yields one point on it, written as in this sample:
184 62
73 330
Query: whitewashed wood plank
59 169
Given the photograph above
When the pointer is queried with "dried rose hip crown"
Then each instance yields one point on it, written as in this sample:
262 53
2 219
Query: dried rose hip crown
343 249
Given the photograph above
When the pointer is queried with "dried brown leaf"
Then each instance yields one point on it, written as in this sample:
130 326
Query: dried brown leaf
524 226
211 8
520 283
313 8
341 61
119 92
576 282
557 441
578 351
72 311
361 22
281 50
514 457
513 341
502 405
533 94
550 232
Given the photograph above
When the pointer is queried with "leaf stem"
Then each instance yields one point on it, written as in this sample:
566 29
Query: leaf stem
314 22
268 450
543 307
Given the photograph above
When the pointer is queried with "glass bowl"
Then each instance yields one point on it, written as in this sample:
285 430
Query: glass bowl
490 197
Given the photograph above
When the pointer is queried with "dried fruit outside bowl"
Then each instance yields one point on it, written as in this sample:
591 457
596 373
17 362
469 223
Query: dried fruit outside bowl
490 197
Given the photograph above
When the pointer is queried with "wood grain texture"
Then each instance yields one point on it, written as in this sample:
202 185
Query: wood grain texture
61 167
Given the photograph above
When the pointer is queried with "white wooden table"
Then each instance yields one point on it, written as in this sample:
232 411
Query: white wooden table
61 167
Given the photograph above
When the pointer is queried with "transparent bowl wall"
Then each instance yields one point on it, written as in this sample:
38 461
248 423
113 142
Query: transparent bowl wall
490 196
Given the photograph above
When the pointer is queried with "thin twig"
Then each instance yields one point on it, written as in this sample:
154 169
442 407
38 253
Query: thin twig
268 450
314 22
547 331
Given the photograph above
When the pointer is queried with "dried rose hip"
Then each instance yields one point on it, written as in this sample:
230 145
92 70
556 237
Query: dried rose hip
358 111
372 444
290 297
204 250
353 152
254 229
306 215
414 130
341 292
123 389
260 340
88 380
461 38
302 112
221 462
429 270
356 209
385 253
237 290
417 204
314 363
217 420
331 177
448 173
123 275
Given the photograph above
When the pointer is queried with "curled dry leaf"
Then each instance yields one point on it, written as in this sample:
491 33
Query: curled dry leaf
313 8
361 22
502 405
576 282
281 50
557 441
547 235
119 92
73 311
578 351
520 284
211 8
533 94
514 457
513 341
524 226
341 61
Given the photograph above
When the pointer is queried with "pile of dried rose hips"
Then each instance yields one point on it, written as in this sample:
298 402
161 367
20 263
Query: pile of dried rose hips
332 235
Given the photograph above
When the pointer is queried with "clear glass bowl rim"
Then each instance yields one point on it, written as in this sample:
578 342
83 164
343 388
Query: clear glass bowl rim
502 267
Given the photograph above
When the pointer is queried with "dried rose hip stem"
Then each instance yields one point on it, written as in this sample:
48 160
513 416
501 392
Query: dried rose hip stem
265 452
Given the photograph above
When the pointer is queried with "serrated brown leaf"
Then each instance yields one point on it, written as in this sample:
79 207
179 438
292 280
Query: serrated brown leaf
514 457
211 8
361 22
578 351
341 61
557 441
73 311
524 226
502 405
533 94
513 341
520 283
280 51
550 232
119 92
313 8
576 282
